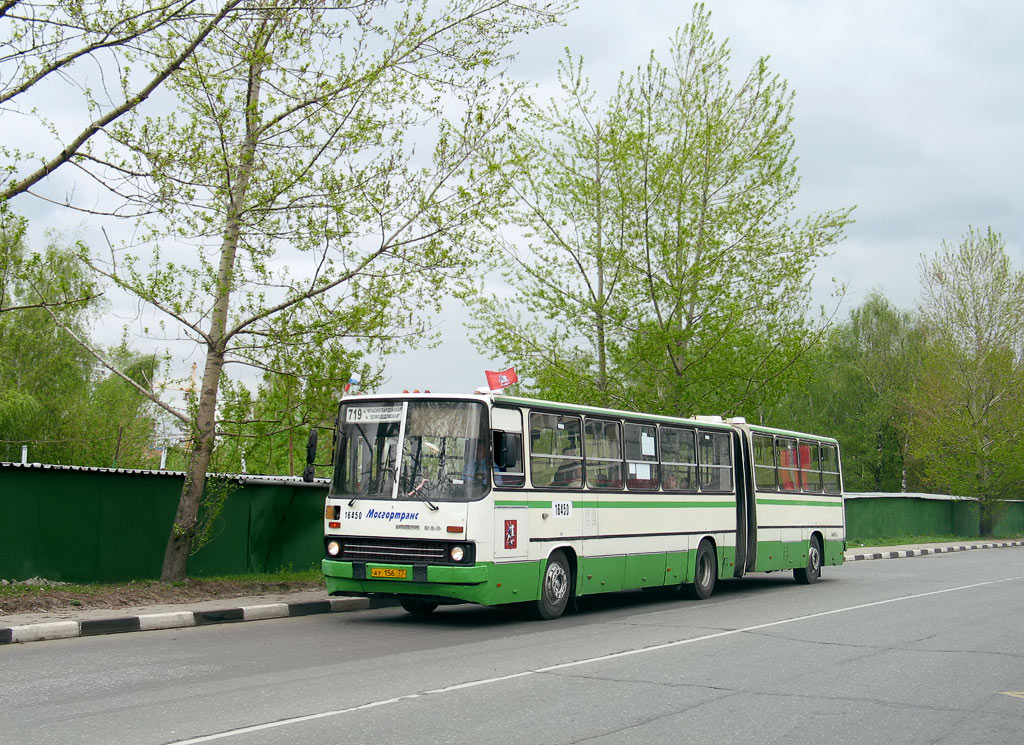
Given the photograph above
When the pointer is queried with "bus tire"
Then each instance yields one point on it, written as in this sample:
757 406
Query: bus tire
417 606
555 589
809 575
705 572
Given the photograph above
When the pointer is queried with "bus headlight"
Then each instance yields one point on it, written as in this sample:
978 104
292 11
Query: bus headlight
333 548
458 553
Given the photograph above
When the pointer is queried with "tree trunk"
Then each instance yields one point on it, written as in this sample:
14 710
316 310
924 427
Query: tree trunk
183 531
990 510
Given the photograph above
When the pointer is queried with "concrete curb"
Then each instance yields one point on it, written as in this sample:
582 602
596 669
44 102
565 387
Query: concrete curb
906 553
176 619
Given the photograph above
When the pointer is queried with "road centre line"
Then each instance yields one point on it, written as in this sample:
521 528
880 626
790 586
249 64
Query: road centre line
576 663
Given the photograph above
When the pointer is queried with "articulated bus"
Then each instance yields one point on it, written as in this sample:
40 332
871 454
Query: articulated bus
497 500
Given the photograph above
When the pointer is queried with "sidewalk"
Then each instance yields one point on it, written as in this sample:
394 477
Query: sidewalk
68 623
921 549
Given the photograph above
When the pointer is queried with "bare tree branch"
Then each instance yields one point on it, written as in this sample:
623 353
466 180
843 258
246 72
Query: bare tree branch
72 148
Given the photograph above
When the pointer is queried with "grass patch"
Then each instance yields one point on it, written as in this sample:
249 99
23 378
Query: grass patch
899 540
313 574
286 576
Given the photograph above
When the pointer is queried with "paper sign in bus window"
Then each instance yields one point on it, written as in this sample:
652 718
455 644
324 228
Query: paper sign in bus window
640 471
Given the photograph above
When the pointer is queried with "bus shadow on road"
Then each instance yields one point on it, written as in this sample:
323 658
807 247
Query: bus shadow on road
586 609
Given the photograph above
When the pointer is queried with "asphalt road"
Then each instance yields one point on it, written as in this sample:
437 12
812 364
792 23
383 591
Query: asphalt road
918 650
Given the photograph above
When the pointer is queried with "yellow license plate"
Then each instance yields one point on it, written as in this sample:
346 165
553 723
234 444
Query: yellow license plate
387 573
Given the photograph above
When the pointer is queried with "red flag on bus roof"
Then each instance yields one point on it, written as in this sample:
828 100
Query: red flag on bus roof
498 380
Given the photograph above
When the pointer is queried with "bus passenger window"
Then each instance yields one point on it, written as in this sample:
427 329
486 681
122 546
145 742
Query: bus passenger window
555 458
641 456
764 462
678 459
785 451
603 448
830 469
715 457
810 466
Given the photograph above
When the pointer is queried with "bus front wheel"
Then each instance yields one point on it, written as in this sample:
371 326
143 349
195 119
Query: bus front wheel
554 590
705 572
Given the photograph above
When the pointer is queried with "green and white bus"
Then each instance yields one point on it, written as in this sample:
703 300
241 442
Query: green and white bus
497 500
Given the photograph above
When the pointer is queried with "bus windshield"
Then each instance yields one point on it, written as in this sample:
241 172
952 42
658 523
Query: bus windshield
412 450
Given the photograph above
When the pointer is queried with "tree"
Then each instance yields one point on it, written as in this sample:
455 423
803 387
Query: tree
28 280
663 267
43 373
570 163
966 408
315 228
856 387
51 397
47 42
265 431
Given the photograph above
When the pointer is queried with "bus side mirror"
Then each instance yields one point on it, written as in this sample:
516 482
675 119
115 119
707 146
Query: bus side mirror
310 470
506 449
314 435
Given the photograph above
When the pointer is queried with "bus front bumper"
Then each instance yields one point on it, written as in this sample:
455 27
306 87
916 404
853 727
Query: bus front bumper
394 576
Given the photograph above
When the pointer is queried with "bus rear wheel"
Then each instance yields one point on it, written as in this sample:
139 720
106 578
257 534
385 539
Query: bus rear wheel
809 575
705 572
554 589
417 606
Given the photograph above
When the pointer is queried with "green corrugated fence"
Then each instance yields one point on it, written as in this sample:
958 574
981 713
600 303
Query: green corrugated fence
885 515
99 525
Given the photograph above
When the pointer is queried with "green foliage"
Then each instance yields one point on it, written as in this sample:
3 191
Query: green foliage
855 387
266 431
664 269
966 407
928 401
53 397
215 494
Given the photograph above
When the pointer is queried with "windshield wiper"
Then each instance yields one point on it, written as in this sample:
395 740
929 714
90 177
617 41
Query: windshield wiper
415 492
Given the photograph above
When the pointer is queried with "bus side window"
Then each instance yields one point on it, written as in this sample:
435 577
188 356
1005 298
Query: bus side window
764 462
641 444
785 450
603 450
714 455
830 469
810 466
508 459
678 459
555 457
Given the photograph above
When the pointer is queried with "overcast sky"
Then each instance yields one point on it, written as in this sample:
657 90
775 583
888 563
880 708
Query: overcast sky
912 111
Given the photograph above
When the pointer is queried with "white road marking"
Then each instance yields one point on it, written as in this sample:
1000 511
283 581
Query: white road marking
577 663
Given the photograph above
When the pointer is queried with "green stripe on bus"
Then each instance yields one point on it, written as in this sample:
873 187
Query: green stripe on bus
581 504
799 502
